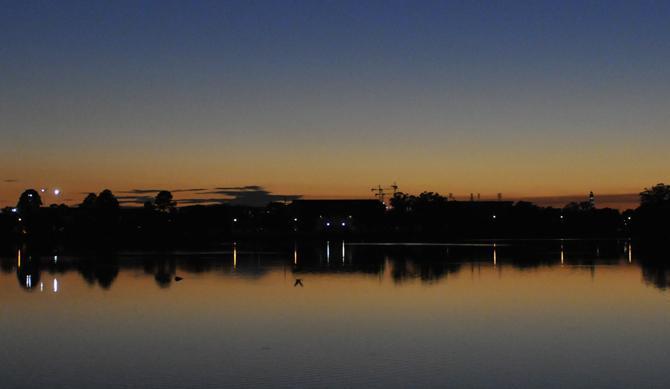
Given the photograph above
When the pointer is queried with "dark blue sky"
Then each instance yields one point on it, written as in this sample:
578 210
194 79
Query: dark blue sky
331 97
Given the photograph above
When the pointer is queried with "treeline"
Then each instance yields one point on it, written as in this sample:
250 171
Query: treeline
428 216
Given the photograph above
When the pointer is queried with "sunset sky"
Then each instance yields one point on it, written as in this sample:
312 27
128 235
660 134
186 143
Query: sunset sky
331 98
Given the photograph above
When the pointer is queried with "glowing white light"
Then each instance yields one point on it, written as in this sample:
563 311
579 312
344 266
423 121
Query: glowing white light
41 286
344 224
29 281
20 219
55 258
14 210
235 220
55 285
30 195
494 216
43 190
295 219
327 224
56 192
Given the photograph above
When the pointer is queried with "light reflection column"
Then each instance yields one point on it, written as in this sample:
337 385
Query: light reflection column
235 256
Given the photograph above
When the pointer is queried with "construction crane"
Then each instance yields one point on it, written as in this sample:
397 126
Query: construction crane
380 191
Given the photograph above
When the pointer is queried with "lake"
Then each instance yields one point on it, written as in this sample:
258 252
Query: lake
549 314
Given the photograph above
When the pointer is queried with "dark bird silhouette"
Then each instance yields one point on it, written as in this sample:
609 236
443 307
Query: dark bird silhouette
298 281
177 278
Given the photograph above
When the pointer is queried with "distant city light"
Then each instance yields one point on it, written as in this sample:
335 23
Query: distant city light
14 210
56 192
43 190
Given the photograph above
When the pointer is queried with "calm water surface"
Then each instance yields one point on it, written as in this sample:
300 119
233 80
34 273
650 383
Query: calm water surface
557 314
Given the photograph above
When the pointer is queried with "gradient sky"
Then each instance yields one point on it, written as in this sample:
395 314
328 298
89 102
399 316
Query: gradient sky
330 98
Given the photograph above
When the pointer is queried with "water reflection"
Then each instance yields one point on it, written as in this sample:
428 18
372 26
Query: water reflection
234 256
655 264
401 263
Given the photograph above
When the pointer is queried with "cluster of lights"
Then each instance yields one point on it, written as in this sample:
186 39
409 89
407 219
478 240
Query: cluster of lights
55 191
55 286
343 224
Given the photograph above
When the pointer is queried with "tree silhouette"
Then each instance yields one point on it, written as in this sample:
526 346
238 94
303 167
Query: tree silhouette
658 194
164 202
89 201
106 201
29 202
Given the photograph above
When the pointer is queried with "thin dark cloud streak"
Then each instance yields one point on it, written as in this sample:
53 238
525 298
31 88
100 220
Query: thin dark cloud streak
133 199
249 195
241 188
252 195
